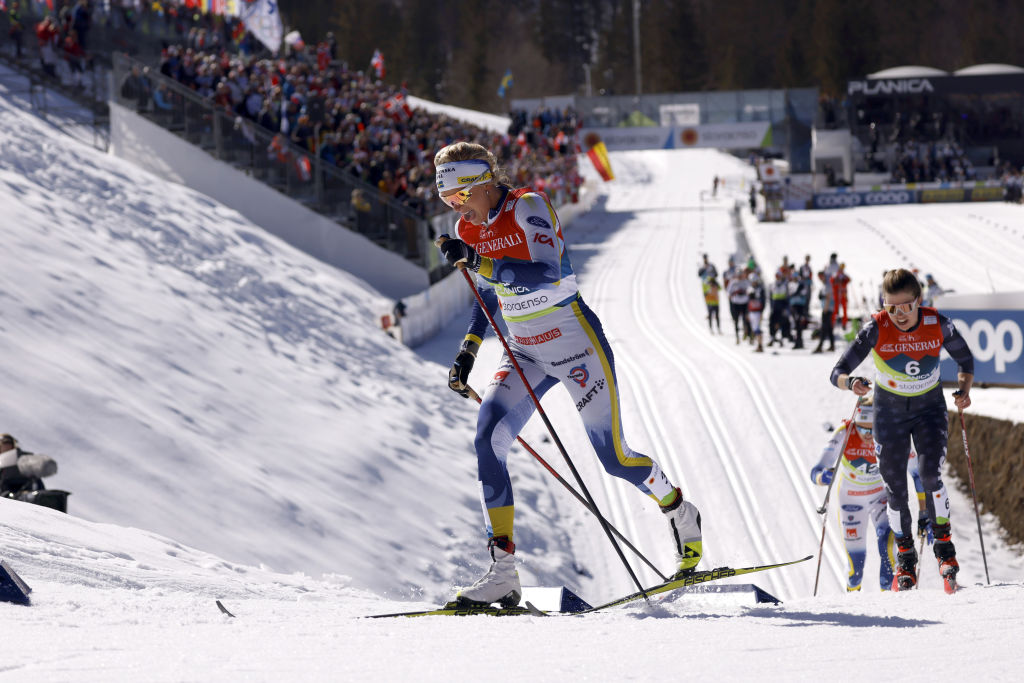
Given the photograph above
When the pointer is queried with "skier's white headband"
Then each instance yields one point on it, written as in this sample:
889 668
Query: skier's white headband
455 175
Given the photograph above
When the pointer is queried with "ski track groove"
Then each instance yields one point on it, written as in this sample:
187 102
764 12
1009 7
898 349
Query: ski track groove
614 494
719 433
704 400
654 425
785 449
907 237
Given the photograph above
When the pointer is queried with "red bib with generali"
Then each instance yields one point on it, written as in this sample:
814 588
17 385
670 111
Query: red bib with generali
907 363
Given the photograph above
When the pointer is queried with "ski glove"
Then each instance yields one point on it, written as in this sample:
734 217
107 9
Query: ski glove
458 376
924 528
456 251
822 476
863 380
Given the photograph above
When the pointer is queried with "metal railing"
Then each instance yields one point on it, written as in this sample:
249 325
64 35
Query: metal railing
276 161
79 117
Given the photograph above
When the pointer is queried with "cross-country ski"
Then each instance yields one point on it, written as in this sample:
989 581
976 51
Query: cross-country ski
695 578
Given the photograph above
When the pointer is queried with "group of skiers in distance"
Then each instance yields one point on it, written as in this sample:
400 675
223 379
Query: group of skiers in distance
789 294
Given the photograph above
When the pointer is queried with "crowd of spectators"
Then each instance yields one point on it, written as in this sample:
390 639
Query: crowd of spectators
942 161
347 117
353 120
915 147
1013 183
62 37
546 121
73 39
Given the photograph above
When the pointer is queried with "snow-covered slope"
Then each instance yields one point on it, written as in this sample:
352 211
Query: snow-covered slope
233 425
492 122
111 603
196 377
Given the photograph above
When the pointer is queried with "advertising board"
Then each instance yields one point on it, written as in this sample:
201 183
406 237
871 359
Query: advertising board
850 199
993 326
741 135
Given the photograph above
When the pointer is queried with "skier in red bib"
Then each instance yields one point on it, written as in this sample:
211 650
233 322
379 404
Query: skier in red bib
862 497
512 240
905 339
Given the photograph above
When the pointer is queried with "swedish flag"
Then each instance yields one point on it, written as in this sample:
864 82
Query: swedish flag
506 82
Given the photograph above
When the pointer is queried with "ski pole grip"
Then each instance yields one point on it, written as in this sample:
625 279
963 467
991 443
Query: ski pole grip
461 264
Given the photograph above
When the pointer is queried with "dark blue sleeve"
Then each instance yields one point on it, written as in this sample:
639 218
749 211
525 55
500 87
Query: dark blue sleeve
478 322
856 352
530 274
956 345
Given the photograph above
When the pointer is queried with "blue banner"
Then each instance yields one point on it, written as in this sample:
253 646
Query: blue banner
996 338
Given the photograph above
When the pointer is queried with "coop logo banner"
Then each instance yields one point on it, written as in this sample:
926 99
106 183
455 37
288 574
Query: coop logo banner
996 338
848 200
888 197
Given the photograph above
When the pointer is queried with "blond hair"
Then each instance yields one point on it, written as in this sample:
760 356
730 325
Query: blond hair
466 151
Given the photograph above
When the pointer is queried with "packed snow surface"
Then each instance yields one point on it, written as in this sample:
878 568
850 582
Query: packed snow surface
233 425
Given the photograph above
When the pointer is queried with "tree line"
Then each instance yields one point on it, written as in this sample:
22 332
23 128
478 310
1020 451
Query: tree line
456 51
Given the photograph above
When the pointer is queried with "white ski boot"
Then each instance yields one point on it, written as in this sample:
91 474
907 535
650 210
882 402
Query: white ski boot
501 582
684 523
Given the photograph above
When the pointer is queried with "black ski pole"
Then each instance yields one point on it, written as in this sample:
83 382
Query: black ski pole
974 497
824 505
547 423
476 397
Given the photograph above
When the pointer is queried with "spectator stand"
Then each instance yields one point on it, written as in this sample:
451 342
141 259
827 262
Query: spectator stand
360 134
82 118
1013 184
921 124
345 145
273 159
74 98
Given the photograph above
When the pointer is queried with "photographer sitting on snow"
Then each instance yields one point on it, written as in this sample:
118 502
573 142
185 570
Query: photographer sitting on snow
22 473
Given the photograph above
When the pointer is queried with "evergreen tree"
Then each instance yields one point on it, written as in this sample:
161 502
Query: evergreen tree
793 68
845 40
674 50
613 73
420 53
